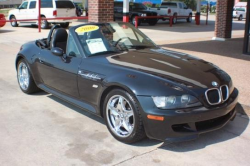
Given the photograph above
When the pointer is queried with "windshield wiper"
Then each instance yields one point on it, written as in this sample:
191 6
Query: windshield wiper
140 46
103 53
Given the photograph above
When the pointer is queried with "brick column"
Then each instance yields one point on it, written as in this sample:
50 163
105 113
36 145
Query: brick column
223 24
101 10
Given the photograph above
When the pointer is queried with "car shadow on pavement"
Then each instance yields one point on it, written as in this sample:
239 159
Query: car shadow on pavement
183 27
5 31
230 48
142 143
232 130
77 109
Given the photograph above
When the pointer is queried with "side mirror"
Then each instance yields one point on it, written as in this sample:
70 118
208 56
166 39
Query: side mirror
57 51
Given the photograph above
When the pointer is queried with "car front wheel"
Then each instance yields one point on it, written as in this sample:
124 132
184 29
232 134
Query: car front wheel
133 21
25 79
13 21
44 23
174 19
189 19
122 116
240 18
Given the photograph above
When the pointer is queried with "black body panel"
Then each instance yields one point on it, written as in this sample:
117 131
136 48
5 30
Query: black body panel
84 82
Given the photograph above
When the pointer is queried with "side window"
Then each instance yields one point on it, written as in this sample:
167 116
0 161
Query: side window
184 6
180 6
72 49
24 5
32 5
46 4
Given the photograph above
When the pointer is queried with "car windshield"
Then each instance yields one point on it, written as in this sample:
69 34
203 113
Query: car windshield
240 9
99 39
137 6
64 4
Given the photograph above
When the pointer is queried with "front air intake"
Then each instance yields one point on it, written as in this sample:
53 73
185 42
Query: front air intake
216 96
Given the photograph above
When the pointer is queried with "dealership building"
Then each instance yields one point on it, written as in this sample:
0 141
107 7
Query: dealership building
103 11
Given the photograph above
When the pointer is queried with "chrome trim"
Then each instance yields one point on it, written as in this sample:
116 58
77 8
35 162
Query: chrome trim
219 90
227 90
219 93
89 75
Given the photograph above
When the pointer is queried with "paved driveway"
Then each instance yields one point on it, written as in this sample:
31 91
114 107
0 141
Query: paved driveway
41 129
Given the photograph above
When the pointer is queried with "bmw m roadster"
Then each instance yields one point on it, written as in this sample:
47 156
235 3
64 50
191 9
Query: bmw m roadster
115 71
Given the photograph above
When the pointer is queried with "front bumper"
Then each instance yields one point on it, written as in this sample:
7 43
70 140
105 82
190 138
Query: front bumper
186 124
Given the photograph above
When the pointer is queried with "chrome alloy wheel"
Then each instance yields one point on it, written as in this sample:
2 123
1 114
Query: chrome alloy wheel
120 116
23 76
13 21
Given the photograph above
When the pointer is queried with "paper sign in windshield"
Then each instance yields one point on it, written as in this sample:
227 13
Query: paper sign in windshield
96 45
86 28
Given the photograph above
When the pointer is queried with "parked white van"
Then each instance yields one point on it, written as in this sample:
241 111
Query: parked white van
240 10
49 9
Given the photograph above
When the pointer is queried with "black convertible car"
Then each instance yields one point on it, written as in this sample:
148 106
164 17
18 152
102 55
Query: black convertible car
115 71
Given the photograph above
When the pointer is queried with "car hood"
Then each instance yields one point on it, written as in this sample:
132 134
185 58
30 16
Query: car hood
178 67
142 11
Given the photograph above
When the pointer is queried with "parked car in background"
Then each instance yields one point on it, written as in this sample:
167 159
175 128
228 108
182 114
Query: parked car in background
135 9
2 20
174 9
49 9
239 12
79 10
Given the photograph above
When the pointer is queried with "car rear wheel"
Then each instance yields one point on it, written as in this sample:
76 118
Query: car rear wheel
122 116
25 79
44 23
64 25
13 21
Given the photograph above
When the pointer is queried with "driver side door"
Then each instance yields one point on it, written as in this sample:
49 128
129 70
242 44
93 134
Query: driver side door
22 11
58 73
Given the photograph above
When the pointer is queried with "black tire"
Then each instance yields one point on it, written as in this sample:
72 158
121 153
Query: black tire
189 19
133 21
13 23
137 132
174 21
64 25
44 23
152 22
31 88
240 18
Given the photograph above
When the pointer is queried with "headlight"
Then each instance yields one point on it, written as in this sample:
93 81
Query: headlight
143 15
173 102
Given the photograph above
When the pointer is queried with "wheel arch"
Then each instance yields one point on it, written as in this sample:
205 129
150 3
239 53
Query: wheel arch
109 89
11 16
18 58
